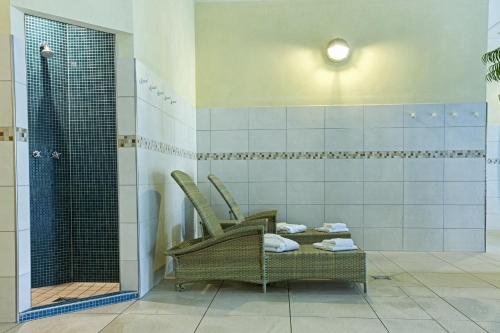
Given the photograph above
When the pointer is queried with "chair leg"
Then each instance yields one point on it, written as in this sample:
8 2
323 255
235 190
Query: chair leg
179 287
264 287
364 288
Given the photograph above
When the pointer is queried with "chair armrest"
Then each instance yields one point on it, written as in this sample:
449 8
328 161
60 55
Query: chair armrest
226 224
263 223
206 243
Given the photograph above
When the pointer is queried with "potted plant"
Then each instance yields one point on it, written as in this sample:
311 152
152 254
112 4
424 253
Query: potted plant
493 58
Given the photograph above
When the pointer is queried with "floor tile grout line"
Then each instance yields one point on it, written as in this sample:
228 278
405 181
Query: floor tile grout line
208 307
465 272
373 309
442 298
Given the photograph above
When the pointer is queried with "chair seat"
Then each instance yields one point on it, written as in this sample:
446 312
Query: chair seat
311 263
311 236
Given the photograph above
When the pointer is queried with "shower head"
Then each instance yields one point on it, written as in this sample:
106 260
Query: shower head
46 51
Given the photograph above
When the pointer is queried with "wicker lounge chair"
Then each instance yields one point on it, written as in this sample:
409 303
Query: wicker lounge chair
237 253
308 237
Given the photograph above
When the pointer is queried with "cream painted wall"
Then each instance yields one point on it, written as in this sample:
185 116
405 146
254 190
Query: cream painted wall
108 14
164 40
272 52
4 16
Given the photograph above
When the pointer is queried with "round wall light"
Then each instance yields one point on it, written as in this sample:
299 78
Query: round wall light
338 50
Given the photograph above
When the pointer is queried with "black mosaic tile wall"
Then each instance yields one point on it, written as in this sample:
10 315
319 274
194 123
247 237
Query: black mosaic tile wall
71 110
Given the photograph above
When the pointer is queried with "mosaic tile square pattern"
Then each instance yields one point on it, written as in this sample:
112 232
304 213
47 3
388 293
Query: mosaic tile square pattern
71 119
70 292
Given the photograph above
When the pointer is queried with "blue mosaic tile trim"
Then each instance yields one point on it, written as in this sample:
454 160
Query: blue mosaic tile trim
342 155
76 306
164 148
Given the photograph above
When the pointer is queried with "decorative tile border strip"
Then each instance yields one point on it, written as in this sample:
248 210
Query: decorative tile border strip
126 141
22 134
164 148
342 155
493 161
6 134
76 306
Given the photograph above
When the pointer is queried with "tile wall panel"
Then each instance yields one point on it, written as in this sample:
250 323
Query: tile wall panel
403 177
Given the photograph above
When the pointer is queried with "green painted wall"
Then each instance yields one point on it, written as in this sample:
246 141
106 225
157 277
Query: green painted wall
256 53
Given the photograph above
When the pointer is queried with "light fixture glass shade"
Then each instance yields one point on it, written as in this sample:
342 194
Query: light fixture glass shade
338 50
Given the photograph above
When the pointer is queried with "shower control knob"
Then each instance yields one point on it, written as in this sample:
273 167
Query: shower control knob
55 155
36 154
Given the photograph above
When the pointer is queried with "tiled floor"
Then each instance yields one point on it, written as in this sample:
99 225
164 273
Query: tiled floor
54 294
428 292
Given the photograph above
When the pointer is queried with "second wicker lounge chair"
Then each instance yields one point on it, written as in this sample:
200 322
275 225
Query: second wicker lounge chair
310 236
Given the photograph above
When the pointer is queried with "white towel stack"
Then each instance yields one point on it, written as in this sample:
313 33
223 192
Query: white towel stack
333 227
336 244
290 228
276 243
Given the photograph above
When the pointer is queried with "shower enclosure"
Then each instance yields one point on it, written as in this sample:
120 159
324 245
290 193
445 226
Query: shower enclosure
73 162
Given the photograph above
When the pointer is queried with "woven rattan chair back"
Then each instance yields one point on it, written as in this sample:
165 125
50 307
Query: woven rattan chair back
228 198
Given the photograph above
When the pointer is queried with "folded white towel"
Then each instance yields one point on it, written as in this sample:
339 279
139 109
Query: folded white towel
331 231
335 225
276 243
290 228
339 242
334 248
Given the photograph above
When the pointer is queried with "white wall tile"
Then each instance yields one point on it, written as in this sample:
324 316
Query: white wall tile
424 138
23 207
423 216
125 115
383 239
310 215
7 253
383 139
19 48
352 215
24 252
22 163
203 168
423 240
203 141
21 105
128 241
127 169
423 169
6 114
302 140
466 114
344 116
8 299
24 292
378 169
129 275
229 119
125 77
267 193
267 170
5 58
267 118
305 170
423 193
424 115
383 116
464 240
464 216
127 204
229 141
385 216
464 169
267 140
380 193
230 170
465 138
344 170
305 193
281 215
7 208
203 119
343 193
357 235
239 191
464 193
349 139
305 117
492 149
493 132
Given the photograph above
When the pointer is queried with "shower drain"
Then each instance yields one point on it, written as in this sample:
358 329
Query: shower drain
381 277
65 299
